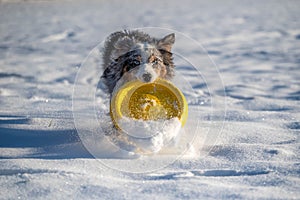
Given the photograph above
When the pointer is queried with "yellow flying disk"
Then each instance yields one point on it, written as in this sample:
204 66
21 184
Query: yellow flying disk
148 101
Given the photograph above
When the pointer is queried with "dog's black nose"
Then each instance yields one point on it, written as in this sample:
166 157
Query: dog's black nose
147 77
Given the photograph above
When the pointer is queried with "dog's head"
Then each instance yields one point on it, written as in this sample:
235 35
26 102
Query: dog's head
134 54
146 60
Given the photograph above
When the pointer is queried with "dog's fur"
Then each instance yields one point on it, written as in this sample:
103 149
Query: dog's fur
129 55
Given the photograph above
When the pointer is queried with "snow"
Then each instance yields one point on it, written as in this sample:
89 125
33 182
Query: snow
150 136
241 140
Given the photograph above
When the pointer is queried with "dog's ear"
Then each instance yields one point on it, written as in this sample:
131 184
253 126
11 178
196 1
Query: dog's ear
122 46
167 42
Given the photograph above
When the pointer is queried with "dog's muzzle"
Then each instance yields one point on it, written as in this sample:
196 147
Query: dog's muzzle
146 73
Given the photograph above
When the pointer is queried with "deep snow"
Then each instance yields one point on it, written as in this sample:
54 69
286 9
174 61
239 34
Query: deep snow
251 151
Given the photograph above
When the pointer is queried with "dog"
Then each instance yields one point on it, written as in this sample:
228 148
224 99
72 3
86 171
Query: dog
129 55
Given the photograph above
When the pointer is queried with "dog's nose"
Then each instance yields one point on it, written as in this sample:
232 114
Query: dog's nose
147 77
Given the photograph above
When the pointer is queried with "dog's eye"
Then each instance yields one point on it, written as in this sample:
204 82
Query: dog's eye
155 61
132 64
135 63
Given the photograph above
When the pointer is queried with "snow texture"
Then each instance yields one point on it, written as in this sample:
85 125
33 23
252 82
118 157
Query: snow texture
251 151
150 136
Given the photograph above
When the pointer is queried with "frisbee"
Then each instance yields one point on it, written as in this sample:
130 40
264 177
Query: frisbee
158 100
